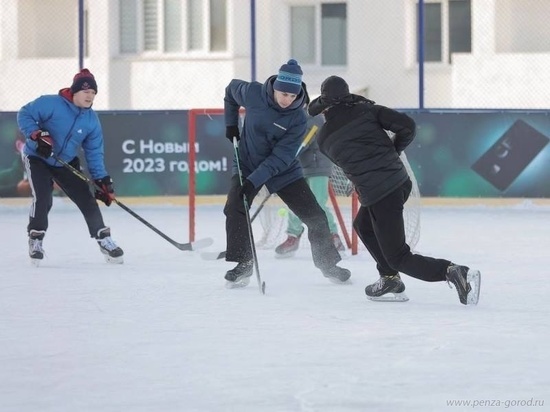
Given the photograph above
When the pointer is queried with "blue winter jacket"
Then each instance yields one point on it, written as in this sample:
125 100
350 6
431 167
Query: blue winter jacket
270 135
70 128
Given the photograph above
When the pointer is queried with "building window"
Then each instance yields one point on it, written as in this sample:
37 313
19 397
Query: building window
172 26
447 29
58 41
218 25
460 27
195 29
319 34
86 31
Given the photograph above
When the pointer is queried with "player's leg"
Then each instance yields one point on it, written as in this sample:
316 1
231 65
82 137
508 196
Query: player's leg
319 187
41 185
79 192
294 231
238 247
300 200
389 228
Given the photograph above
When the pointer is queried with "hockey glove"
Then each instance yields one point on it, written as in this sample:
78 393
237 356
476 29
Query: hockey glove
105 191
247 190
232 131
44 142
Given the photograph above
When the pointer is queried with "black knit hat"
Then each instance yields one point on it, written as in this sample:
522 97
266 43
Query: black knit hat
83 80
334 88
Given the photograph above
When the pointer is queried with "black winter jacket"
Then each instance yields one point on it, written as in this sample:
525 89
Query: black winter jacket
354 137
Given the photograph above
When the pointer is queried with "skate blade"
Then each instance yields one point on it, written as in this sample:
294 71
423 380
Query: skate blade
119 260
474 279
36 262
397 297
285 255
239 283
337 281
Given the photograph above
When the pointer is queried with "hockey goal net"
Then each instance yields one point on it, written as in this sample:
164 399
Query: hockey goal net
344 203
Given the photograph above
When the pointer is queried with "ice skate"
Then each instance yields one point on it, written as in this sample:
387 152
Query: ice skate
387 289
36 252
336 274
288 248
466 281
107 246
239 276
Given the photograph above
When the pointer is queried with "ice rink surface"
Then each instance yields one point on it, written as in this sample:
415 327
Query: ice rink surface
162 333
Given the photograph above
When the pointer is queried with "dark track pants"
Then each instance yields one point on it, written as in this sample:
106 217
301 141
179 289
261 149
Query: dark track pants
41 178
381 229
300 200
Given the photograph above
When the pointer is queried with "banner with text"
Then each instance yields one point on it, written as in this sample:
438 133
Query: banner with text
455 154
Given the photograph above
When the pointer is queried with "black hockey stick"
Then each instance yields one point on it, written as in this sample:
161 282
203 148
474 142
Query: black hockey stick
260 207
199 244
261 285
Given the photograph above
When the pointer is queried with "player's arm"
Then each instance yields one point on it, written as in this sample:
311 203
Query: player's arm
31 116
399 123
282 155
235 98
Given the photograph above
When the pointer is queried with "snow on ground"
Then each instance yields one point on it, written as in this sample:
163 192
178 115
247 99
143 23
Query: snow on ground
161 332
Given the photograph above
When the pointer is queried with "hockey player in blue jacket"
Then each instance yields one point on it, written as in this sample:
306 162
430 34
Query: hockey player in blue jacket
273 129
61 124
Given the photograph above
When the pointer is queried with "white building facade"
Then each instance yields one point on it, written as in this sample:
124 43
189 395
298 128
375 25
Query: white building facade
180 54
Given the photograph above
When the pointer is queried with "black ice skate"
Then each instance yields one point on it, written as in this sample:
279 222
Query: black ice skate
387 289
288 248
336 274
36 252
239 276
107 246
466 281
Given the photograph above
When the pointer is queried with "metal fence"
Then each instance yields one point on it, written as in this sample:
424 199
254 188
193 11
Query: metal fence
180 54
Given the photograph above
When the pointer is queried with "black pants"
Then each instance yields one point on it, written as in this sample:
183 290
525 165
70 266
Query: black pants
381 229
41 178
300 200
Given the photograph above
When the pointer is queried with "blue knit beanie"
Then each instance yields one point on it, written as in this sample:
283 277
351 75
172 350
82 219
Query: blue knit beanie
289 79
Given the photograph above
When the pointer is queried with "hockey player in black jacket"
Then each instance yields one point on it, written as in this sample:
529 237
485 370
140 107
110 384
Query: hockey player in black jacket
354 137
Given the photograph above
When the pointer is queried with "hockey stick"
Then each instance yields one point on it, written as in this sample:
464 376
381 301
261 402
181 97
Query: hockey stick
199 244
305 142
260 207
261 285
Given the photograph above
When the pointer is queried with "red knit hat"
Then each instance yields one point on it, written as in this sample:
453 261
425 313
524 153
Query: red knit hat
83 80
